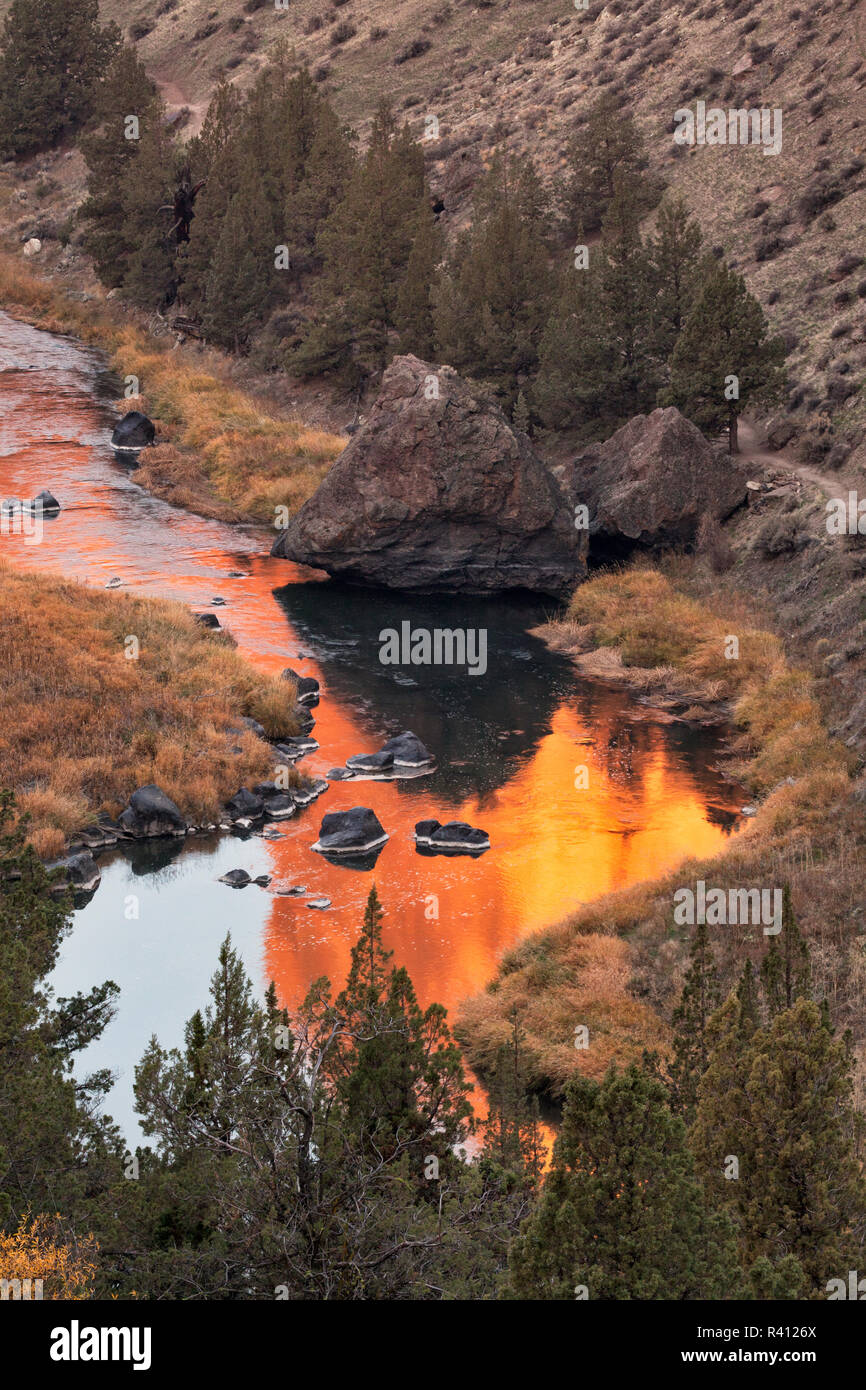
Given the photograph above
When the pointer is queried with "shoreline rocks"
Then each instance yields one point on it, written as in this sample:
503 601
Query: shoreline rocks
151 813
133 433
403 755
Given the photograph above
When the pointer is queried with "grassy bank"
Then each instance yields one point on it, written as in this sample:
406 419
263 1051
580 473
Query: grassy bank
616 964
84 725
221 452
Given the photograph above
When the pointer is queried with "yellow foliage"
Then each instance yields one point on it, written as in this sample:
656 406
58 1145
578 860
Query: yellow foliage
38 1250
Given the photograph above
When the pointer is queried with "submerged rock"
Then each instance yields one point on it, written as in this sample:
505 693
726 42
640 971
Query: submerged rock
44 501
455 837
437 491
133 433
321 903
151 813
353 832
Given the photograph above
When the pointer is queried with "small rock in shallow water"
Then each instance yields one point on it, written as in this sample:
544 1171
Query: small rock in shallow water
236 878
352 832
262 880
320 903
456 837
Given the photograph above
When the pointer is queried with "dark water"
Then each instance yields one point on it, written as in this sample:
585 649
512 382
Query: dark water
509 745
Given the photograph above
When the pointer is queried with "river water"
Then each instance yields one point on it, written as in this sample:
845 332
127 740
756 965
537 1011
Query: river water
508 744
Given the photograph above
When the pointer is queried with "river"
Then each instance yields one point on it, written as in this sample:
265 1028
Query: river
508 745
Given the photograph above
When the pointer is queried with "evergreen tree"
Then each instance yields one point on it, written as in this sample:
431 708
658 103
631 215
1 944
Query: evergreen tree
125 91
786 970
626 286
675 251
494 297
779 1101
700 998
574 354
621 1214
609 147
414 314
724 362
240 285
512 1131
54 53
150 273
365 247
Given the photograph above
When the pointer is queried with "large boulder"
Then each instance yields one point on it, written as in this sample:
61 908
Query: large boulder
455 837
134 432
150 813
652 482
436 491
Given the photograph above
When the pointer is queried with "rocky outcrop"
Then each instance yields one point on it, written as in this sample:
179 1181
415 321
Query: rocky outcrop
437 492
651 483
308 686
79 872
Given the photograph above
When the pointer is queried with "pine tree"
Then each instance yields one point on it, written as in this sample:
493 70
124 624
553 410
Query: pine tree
125 91
240 285
700 998
414 311
675 251
513 1140
628 305
494 298
609 147
54 53
622 1215
724 362
786 970
778 1101
569 391
150 274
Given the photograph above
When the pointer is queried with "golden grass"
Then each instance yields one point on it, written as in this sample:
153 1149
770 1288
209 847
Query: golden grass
223 453
84 725
616 963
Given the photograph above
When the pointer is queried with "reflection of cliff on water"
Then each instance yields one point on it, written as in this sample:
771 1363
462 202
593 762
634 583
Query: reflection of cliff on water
467 721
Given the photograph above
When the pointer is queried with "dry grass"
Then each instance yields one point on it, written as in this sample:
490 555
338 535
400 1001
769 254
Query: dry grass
616 964
222 453
84 725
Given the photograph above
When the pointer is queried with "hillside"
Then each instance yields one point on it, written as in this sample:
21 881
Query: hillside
794 224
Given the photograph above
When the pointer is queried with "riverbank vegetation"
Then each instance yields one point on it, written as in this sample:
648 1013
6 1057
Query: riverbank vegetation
84 725
323 1154
221 451
669 644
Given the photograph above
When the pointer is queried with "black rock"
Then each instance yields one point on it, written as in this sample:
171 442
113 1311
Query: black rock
456 837
80 871
262 880
46 501
207 619
133 432
308 686
236 878
408 750
371 762
340 774
254 727
357 831
245 805
149 813
291 749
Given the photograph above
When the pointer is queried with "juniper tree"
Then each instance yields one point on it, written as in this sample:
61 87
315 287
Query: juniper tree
786 969
608 147
779 1101
494 297
621 1214
700 997
724 360
54 53
627 303
110 146
240 286
574 352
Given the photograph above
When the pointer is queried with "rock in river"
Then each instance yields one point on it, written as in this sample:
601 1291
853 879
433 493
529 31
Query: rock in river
354 832
437 491
79 872
455 837
150 813
308 686
401 753
133 433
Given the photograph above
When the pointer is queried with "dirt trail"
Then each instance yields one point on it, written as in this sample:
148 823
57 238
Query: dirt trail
753 452
175 99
